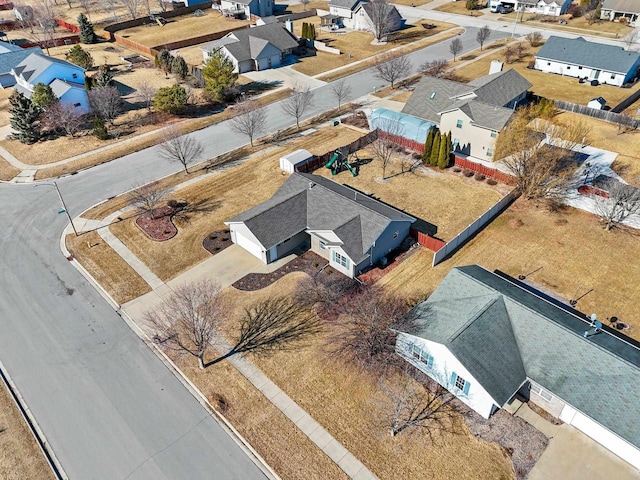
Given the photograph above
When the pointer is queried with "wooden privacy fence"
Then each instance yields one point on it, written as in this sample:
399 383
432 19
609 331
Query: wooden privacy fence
319 161
607 116
460 239
403 142
494 173
67 26
53 42
427 241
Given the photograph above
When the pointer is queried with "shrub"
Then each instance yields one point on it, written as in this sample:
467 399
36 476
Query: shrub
416 156
480 177
457 169
491 181
468 173
100 129
534 38
173 203
171 100
79 56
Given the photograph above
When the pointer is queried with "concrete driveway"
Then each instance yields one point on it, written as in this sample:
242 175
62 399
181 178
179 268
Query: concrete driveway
285 76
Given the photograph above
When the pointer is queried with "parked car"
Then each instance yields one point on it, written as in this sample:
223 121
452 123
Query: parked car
504 9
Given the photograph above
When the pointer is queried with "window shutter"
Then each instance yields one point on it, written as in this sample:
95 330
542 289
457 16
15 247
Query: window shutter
453 378
430 362
466 388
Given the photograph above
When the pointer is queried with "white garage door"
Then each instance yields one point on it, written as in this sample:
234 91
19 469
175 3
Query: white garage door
248 245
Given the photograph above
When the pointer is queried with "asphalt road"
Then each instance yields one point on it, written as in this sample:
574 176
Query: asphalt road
108 407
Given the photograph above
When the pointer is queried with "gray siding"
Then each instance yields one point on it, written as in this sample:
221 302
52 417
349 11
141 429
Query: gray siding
388 240
315 247
289 245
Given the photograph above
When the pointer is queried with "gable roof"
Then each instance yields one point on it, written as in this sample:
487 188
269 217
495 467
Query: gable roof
9 47
626 6
34 65
12 58
391 9
482 98
591 374
578 51
313 202
246 44
350 4
60 87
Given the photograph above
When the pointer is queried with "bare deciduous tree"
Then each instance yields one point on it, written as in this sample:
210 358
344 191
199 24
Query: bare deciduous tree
44 20
483 35
305 3
631 38
187 320
405 405
106 102
534 39
383 147
251 120
63 116
341 90
380 20
184 149
543 161
147 198
300 100
434 68
132 7
392 68
623 200
455 47
86 6
510 53
146 93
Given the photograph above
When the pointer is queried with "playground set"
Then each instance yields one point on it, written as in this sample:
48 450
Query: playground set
339 162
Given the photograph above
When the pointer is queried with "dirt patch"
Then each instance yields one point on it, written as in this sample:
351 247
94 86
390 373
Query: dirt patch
544 414
358 119
158 225
217 241
310 263
522 443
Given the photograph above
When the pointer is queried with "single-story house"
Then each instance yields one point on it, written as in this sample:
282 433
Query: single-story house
256 48
10 56
620 10
487 337
543 7
473 112
365 12
350 229
246 8
65 79
575 57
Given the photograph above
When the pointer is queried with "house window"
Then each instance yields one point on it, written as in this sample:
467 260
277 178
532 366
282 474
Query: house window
421 355
76 105
460 383
395 234
579 68
489 152
613 76
456 142
548 64
75 75
323 245
494 134
568 67
340 259
459 124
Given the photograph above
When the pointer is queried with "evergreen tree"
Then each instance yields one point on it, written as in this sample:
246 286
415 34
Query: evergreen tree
99 128
25 118
87 34
78 56
43 96
435 150
443 155
104 77
428 145
171 100
313 32
218 75
179 67
164 60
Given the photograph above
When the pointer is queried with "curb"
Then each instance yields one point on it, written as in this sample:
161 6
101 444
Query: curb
35 429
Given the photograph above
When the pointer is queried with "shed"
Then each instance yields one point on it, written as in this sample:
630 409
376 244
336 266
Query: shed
598 103
289 162
400 124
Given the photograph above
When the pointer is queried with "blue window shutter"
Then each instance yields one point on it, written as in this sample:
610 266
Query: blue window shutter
430 362
453 378
466 388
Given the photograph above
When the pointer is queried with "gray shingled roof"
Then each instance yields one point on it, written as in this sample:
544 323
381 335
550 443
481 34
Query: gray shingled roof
35 64
60 87
578 51
12 59
350 4
243 44
357 219
432 96
10 47
599 375
625 6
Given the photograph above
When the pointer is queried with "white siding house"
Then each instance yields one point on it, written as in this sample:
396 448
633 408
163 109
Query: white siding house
626 11
543 7
345 10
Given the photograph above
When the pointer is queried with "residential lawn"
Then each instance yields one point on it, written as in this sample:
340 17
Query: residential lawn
449 201
7 171
343 401
357 45
574 25
225 194
459 8
415 3
402 96
107 267
299 7
576 255
548 85
20 456
5 93
180 28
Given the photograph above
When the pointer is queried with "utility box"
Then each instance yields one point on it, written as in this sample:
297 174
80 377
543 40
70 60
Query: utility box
289 162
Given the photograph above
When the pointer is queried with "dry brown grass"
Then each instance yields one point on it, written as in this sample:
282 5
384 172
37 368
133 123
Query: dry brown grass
548 85
232 191
458 8
576 254
20 457
342 401
358 46
402 97
181 28
107 267
298 7
414 3
7 171
5 93
574 25
449 201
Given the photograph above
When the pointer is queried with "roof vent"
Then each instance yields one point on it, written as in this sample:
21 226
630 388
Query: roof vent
311 185
597 327
433 95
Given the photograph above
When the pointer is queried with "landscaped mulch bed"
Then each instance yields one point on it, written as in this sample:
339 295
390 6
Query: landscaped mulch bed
358 119
395 257
159 226
217 241
308 262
